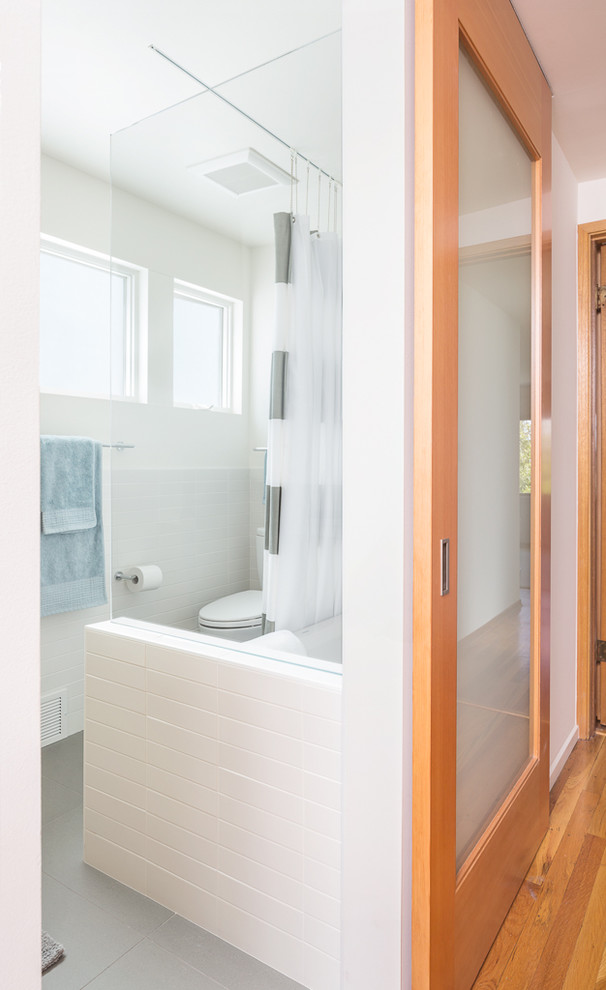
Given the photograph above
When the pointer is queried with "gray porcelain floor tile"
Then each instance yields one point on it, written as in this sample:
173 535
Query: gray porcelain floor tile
92 938
62 860
57 800
231 968
62 761
148 967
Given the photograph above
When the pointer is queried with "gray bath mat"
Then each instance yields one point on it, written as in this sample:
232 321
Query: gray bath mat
51 951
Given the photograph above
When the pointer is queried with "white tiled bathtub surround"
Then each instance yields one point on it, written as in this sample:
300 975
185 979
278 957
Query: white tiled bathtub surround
213 785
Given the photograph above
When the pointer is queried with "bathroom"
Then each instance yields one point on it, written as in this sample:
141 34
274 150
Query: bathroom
184 482
161 523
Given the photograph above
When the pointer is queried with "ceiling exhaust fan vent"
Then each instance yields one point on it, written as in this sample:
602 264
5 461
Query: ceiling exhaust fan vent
242 172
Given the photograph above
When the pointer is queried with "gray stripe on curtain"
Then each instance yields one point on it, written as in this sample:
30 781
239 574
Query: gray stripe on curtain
282 233
279 362
278 381
273 502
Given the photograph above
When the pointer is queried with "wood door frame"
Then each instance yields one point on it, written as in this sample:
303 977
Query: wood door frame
490 28
589 234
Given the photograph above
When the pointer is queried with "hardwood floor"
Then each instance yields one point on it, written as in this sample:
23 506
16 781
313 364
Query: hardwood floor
554 937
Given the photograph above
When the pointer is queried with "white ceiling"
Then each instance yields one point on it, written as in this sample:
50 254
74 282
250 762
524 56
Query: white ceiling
99 76
569 39
152 158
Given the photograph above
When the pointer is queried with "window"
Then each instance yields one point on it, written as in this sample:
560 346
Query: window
206 344
80 293
525 456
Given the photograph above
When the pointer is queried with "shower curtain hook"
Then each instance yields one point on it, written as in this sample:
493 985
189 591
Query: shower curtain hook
292 177
319 194
296 182
307 189
336 216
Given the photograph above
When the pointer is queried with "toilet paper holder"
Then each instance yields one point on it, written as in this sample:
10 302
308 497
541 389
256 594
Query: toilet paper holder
121 576
141 577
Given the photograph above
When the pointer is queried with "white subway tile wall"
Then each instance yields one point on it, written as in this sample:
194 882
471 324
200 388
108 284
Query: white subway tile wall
229 811
197 524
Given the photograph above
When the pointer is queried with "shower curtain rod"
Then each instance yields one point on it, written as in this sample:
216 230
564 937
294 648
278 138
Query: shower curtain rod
243 113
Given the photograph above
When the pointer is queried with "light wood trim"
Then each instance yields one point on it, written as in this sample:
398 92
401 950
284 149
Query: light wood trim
508 247
434 734
545 384
599 392
491 32
588 235
538 454
584 622
501 850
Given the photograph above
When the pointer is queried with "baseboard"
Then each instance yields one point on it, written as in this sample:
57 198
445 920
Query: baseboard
565 751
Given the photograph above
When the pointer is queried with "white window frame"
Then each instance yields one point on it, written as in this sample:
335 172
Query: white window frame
231 363
134 384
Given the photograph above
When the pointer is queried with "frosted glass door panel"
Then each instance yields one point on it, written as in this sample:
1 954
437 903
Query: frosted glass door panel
493 546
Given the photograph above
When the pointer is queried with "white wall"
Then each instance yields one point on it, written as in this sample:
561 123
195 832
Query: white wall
75 207
377 329
488 541
19 499
195 525
180 498
563 461
592 201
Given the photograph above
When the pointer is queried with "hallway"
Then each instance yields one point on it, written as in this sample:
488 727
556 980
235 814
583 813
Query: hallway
554 937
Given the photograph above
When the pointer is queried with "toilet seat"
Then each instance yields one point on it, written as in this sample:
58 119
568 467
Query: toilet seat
240 611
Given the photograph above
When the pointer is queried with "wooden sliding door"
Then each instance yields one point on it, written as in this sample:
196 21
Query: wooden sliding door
482 484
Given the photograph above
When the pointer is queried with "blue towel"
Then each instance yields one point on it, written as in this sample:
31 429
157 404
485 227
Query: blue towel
72 563
67 484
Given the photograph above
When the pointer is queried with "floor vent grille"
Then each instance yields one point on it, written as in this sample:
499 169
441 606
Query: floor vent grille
53 717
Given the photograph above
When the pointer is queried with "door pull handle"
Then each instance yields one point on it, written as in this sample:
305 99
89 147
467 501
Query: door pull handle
444 567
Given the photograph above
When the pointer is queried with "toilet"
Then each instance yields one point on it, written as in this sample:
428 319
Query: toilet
236 617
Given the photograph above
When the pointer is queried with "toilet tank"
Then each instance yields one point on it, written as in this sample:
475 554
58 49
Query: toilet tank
259 545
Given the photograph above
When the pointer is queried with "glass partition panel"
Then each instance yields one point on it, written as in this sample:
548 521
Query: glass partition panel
493 567
226 465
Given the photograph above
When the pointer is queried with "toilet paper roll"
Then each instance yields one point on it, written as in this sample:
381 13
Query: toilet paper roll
146 577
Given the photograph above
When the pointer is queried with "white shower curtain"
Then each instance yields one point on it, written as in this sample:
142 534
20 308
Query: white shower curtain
303 569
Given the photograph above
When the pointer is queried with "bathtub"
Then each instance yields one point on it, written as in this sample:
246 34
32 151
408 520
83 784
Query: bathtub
322 642
213 785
